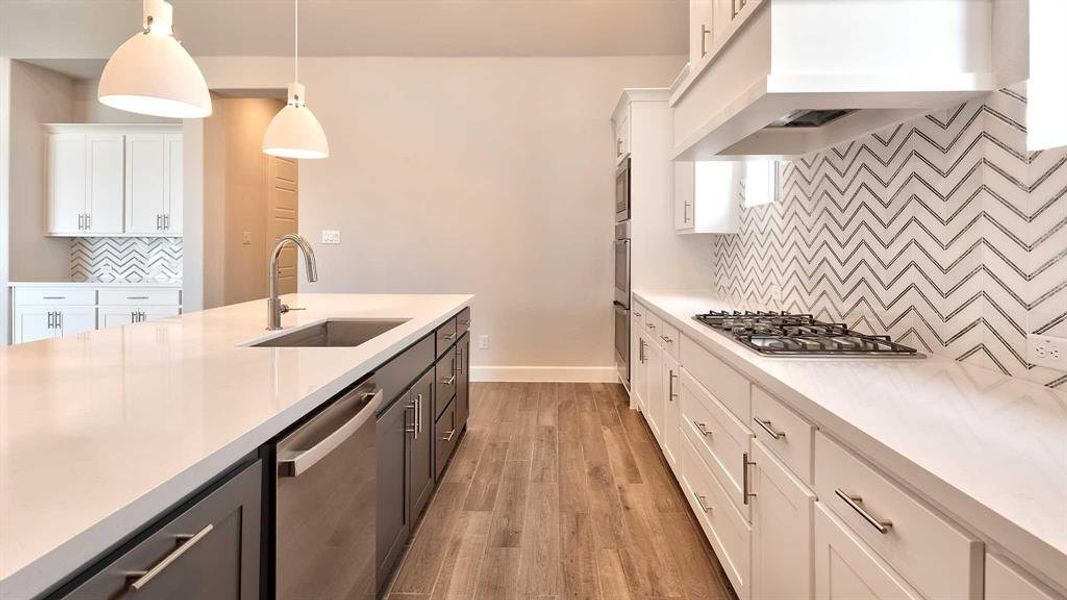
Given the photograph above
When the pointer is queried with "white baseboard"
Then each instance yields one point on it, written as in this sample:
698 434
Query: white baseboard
546 374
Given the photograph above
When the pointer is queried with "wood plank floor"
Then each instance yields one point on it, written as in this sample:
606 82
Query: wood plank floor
558 490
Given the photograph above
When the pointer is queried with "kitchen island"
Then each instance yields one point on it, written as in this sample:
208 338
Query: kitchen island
103 431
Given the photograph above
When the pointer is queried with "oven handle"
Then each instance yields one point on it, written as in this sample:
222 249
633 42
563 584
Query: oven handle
619 307
297 463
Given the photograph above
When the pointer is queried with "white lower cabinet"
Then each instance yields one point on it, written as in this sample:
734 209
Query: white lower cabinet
672 411
1003 582
847 569
781 530
117 316
32 323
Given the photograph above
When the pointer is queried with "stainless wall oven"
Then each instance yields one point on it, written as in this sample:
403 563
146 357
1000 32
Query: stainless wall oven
621 301
622 191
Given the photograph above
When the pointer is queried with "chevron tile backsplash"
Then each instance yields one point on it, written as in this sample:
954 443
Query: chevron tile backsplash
126 259
942 232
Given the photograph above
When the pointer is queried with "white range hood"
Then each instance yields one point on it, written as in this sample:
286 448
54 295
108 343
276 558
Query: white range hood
802 75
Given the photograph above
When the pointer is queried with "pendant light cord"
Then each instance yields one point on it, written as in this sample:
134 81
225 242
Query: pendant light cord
296 40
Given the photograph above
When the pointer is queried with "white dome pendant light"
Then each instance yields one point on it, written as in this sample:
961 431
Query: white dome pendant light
152 74
294 132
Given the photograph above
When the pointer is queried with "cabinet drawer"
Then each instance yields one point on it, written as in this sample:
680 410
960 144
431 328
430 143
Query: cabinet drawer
668 338
446 431
397 375
211 550
463 322
784 432
729 386
720 437
446 336
651 324
639 311
54 296
139 297
728 532
938 559
445 381
1003 582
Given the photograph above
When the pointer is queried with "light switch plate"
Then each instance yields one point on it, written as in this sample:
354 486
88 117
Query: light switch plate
246 238
1048 351
483 342
331 236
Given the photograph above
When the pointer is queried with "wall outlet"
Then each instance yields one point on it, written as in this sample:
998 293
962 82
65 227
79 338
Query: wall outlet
246 238
331 236
1047 351
483 342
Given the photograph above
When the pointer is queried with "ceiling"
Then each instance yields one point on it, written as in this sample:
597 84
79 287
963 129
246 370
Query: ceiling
92 29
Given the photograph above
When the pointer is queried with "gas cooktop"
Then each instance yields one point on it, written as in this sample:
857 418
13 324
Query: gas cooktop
786 334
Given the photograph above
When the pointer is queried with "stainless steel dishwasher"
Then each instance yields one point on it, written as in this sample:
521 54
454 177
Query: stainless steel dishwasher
326 500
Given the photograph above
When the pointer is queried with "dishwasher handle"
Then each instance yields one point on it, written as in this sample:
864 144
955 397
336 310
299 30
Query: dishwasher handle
296 463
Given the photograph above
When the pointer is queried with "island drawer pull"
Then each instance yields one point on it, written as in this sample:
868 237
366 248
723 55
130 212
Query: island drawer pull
54 297
449 337
766 425
853 502
137 297
449 381
702 502
295 463
451 433
185 543
702 428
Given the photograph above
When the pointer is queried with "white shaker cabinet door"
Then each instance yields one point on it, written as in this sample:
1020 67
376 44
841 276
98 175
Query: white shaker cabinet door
847 569
781 530
76 319
656 391
160 312
32 323
66 183
172 224
104 183
115 316
145 183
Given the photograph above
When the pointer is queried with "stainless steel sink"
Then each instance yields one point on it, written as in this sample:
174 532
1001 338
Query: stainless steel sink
333 333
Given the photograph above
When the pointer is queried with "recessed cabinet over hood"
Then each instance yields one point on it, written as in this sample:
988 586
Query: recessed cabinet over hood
786 77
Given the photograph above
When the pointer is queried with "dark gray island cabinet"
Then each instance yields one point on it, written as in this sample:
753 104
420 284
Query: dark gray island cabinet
219 542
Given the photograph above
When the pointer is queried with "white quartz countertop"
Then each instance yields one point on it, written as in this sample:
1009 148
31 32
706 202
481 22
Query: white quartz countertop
97 284
102 431
988 449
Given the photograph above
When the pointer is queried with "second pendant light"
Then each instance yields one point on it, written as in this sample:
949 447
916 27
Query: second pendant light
295 132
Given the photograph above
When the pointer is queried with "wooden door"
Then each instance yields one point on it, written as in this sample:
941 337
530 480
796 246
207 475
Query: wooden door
421 455
781 530
282 201
66 182
145 178
104 182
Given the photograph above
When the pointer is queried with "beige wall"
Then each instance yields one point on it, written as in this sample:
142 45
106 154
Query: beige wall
486 175
37 96
88 109
235 199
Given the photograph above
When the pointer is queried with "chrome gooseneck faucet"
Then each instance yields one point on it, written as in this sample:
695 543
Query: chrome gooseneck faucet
275 308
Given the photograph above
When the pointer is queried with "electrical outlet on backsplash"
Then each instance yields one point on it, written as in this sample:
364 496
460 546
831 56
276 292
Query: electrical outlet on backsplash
134 260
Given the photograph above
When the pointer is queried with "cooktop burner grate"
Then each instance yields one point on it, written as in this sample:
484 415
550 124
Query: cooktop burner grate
786 334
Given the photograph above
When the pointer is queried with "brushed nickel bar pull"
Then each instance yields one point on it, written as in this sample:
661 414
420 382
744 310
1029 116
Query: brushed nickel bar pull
137 297
450 337
133 316
704 31
745 464
451 433
54 297
418 404
414 431
766 425
185 543
854 502
671 394
59 319
449 381
702 502
51 322
666 338
702 428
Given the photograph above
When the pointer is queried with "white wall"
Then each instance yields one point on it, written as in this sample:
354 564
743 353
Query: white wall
493 176
88 109
37 96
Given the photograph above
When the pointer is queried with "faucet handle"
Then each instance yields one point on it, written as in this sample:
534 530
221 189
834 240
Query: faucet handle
286 308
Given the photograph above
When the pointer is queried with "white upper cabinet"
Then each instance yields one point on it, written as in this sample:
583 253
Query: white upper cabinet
780 78
114 180
707 196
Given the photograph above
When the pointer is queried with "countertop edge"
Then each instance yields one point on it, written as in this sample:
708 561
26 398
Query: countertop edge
98 284
49 571
997 531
